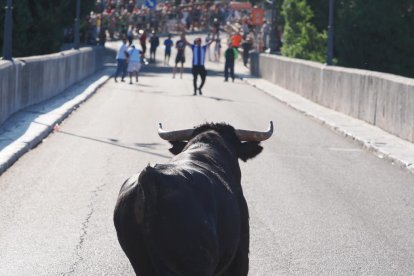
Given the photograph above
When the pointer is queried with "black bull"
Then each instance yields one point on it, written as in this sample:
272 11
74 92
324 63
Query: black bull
189 217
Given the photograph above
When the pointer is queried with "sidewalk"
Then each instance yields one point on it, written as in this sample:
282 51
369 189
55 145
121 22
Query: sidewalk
374 139
28 127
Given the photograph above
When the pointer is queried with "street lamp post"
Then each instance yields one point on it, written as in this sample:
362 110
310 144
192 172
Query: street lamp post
330 32
8 25
77 24
273 41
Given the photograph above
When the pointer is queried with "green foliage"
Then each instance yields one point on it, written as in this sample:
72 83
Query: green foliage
38 24
301 38
376 35
320 10
20 10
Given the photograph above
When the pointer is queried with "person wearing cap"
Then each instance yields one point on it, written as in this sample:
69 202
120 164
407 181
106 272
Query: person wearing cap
199 57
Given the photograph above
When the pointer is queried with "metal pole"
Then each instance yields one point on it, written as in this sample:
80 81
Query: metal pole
330 32
77 24
8 25
272 41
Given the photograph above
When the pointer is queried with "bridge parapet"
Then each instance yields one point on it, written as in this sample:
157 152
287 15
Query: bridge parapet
27 81
381 99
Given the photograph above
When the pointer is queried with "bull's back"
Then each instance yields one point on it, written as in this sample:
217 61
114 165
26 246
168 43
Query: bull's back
186 221
197 220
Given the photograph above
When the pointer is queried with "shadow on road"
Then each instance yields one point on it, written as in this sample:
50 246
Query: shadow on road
115 142
166 94
147 70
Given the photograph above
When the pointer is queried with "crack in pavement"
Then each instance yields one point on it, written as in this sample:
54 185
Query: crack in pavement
84 230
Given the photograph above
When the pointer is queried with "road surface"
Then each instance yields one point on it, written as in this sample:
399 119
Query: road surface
319 204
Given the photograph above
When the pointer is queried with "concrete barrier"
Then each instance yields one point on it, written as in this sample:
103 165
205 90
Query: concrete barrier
27 81
381 99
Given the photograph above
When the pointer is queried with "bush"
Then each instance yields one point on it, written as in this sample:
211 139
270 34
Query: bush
301 38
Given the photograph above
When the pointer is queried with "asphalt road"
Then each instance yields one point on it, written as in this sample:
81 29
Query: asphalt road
319 204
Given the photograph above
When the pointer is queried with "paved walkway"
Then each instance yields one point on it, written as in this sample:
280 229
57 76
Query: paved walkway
29 127
380 142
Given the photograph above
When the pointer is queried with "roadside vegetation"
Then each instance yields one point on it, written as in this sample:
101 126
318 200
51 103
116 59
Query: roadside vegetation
375 35
368 34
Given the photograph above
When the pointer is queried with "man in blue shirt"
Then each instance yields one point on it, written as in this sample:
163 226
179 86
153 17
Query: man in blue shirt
199 57
168 43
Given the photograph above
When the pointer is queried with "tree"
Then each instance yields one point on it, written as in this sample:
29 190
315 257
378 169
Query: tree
376 35
320 10
38 24
301 38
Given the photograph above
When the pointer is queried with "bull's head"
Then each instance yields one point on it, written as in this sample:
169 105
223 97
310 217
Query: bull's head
246 141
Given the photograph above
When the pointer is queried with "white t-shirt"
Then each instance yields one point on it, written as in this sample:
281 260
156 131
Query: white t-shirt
121 52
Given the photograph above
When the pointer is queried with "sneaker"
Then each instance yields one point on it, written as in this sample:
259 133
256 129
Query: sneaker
199 91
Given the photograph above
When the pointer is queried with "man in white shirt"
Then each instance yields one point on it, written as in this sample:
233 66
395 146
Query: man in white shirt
121 59
199 55
265 34
134 62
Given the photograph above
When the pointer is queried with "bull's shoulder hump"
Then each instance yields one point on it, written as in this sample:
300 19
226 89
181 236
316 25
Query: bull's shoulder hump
133 182
129 185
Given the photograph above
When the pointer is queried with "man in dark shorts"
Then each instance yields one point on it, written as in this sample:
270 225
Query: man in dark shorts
199 57
154 43
180 58
168 43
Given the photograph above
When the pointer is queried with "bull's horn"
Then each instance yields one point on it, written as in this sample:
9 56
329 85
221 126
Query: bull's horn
177 135
254 136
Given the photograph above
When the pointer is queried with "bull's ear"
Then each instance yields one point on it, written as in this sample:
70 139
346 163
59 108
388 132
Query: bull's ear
177 147
249 150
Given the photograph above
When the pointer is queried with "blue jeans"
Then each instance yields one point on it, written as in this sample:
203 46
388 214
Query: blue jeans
121 67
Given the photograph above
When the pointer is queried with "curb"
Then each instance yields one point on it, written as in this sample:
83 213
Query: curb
45 123
366 144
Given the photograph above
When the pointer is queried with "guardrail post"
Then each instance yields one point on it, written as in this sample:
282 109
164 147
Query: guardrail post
77 24
330 32
273 32
8 25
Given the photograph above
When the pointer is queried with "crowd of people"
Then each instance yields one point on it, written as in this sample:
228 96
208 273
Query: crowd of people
224 26
129 57
114 19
